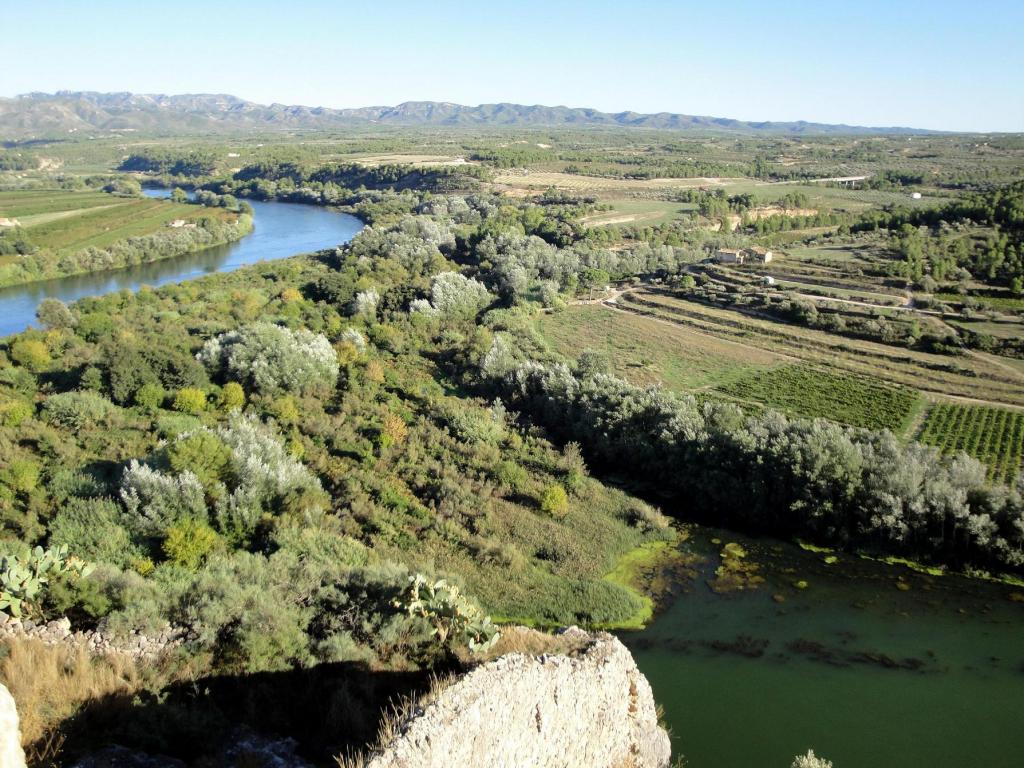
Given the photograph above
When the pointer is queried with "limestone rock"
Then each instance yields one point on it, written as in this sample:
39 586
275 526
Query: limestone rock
591 710
11 755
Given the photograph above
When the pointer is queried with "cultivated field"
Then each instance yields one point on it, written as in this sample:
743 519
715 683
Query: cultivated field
994 436
815 392
65 221
978 377
637 211
646 351
820 196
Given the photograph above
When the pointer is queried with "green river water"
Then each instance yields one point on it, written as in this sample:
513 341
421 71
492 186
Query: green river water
862 670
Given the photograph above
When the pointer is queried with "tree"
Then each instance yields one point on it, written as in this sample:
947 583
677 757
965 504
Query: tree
271 359
455 295
179 195
54 313
31 353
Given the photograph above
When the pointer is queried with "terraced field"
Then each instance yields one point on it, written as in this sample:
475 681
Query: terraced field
979 377
994 436
645 351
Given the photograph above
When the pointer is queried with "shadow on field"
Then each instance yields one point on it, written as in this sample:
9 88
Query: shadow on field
329 710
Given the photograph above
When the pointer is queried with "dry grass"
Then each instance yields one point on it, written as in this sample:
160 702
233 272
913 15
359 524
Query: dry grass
646 351
532 642
49 683
543 180
395 720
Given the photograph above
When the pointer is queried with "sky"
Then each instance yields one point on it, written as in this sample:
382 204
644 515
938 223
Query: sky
943 64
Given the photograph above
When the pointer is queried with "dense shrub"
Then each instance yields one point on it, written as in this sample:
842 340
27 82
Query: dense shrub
155 501
271 359
78 410
92 529
766 473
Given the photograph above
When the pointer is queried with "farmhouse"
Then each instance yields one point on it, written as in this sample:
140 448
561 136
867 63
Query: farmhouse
740 255
176 223
5 222
757 253
729 255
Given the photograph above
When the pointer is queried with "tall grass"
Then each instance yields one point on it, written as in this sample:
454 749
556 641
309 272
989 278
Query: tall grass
51 683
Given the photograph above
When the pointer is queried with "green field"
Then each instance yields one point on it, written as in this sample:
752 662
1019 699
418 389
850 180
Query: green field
646 351
638 211
994 302
813 392
994 436
63 221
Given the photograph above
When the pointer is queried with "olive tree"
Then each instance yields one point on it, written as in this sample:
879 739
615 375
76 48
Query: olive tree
271 359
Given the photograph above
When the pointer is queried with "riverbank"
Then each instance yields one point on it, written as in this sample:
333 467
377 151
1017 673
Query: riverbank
133 251
280 230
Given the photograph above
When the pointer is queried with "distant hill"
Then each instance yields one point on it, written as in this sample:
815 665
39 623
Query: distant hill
43 114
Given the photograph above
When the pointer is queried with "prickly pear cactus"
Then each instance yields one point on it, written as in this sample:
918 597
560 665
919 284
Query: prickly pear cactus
23 577
449 612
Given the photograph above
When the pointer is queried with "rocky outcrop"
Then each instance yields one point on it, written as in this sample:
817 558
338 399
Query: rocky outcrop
11 755
593 709
587 708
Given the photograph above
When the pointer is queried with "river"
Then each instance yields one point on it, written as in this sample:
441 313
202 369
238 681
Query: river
281 229
868 664
871 665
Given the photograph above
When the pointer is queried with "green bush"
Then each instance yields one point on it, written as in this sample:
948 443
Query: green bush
203 453
232 397
92 528
14 412
555 501
150 396
21 475
190 400
78 410
31 353
512 476
189 543
170 425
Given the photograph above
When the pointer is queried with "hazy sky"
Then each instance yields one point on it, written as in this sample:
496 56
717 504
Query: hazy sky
944 64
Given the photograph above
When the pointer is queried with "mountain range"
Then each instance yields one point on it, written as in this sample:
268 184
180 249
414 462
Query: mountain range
50 115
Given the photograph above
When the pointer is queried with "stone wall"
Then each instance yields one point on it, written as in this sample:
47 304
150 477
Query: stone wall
96 641
593 709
